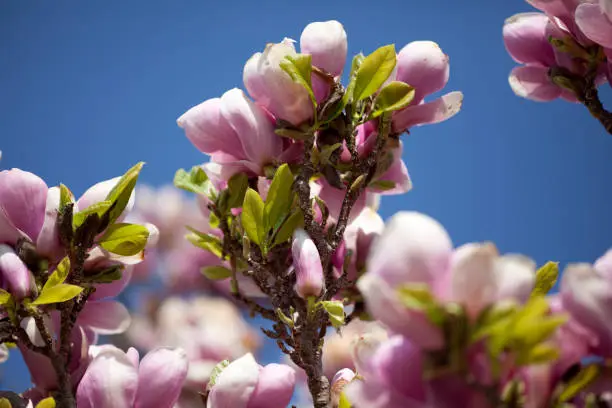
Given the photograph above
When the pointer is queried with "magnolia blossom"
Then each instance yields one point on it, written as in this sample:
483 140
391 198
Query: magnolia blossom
573 25
424 66
307 265
116 379
208 329
246 384
415 249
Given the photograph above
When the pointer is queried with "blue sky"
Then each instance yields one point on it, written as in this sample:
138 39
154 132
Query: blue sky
89 88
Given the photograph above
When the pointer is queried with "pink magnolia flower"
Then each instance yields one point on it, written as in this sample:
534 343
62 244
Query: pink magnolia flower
307 265
595 21
246 384
339 382
415 249
208 329
326 42
586 293
116 379
237 133
423 65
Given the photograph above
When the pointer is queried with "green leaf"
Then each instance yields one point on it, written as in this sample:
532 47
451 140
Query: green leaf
213 220
125 239
285 232
237 186
419 297
294 134
343 402
279 198
327 151
356 63
540 354
383 185
46 403
5 403
288 321
5 297
579 382
546 278
374 71
121 193
207 242
196 181
59 275
97 208
57 294
252 216
394 96
335 311
216 272
216 371
299 68
66 197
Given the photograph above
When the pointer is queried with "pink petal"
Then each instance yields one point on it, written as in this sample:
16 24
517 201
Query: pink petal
41 371
326 42
516 277
383 305
161 376
208 130
111 290
436 111
423 65
14 273
252 125
533 83
48 242
105 317
109 382
23 197
592 21
526 39
412 248
603 265
274 388
397 173
235 384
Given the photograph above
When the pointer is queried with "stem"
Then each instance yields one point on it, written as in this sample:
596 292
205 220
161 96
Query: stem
590 98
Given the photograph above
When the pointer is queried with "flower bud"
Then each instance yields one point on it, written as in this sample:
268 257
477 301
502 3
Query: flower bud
273 88
341 379
14 275
307 264
326 42
525 38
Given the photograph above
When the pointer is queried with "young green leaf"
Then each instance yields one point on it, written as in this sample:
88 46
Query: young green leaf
196 181
216 272
46 403
419 297
373 72
540 354
125 239
121 193
335 311
546 278
57 294
299 68
207 242
295 220
99 208
252 216
343 402
279 198
66 197
216 371
394 96
579 382
383 185
5 403
5 297
59 275
237 186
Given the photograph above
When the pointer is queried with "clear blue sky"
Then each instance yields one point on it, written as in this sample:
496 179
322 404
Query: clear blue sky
89 88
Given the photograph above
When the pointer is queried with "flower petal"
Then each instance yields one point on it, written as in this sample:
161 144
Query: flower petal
235 384
14 272
516 277
161 376
105 317
111 290
533 83
98 193
423 65
23 198
432 112
525 38
594 24
110 381
48 242
326 42
274 388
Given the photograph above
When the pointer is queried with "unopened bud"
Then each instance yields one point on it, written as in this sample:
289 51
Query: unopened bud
341 379
307 265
